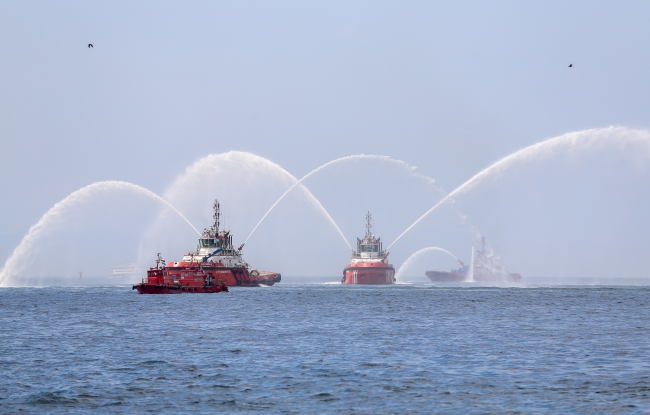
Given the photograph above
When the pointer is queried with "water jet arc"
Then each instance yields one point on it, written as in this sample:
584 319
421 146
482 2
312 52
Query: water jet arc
420 252
330 163
75 197
210 163
582 138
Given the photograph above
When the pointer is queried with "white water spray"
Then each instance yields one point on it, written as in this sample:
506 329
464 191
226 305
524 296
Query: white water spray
203 170
13 265
337 161
470 274
413 256
572 141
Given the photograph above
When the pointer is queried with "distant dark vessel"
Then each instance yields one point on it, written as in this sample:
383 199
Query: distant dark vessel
483 268
455 275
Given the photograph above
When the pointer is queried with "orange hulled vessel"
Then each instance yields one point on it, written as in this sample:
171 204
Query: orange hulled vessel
212 267
369 263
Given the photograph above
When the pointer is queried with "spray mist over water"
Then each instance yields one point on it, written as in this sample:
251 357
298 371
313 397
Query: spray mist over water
415 255
470 274
16 262
579 141
388 159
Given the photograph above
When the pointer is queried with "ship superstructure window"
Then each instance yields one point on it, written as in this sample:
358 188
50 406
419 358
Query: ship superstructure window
369 248
210 243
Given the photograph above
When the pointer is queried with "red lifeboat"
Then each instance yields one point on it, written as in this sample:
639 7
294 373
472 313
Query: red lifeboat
369 263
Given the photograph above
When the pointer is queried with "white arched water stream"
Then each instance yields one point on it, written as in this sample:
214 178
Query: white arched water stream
415 255
570 142
16 262
388 159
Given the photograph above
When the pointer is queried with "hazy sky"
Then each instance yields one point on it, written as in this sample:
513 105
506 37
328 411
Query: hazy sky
449 87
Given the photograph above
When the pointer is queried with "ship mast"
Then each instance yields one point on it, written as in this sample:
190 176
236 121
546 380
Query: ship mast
368 224
217 214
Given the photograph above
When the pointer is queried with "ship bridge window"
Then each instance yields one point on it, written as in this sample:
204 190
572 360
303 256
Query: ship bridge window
209 243
369 248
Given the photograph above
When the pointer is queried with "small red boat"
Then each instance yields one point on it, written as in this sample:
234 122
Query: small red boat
157 281
369 263
212 267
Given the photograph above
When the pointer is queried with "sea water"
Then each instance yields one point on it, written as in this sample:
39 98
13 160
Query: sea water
326 348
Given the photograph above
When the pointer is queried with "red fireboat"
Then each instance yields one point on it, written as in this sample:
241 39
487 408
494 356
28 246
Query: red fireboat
212 267
193 280
369 263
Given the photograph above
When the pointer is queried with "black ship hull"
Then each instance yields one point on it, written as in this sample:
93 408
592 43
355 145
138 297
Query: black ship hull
443 276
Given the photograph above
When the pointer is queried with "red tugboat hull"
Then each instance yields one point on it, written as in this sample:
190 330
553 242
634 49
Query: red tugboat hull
160 281
212 267
369 273
369 262
147 288
186 272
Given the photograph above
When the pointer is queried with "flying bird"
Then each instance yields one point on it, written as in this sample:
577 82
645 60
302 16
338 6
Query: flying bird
90 45
570 65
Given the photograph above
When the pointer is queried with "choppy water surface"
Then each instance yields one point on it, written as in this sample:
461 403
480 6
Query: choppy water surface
326 348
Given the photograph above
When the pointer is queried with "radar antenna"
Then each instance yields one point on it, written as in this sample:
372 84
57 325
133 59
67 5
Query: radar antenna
217 214
368 223
160 262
